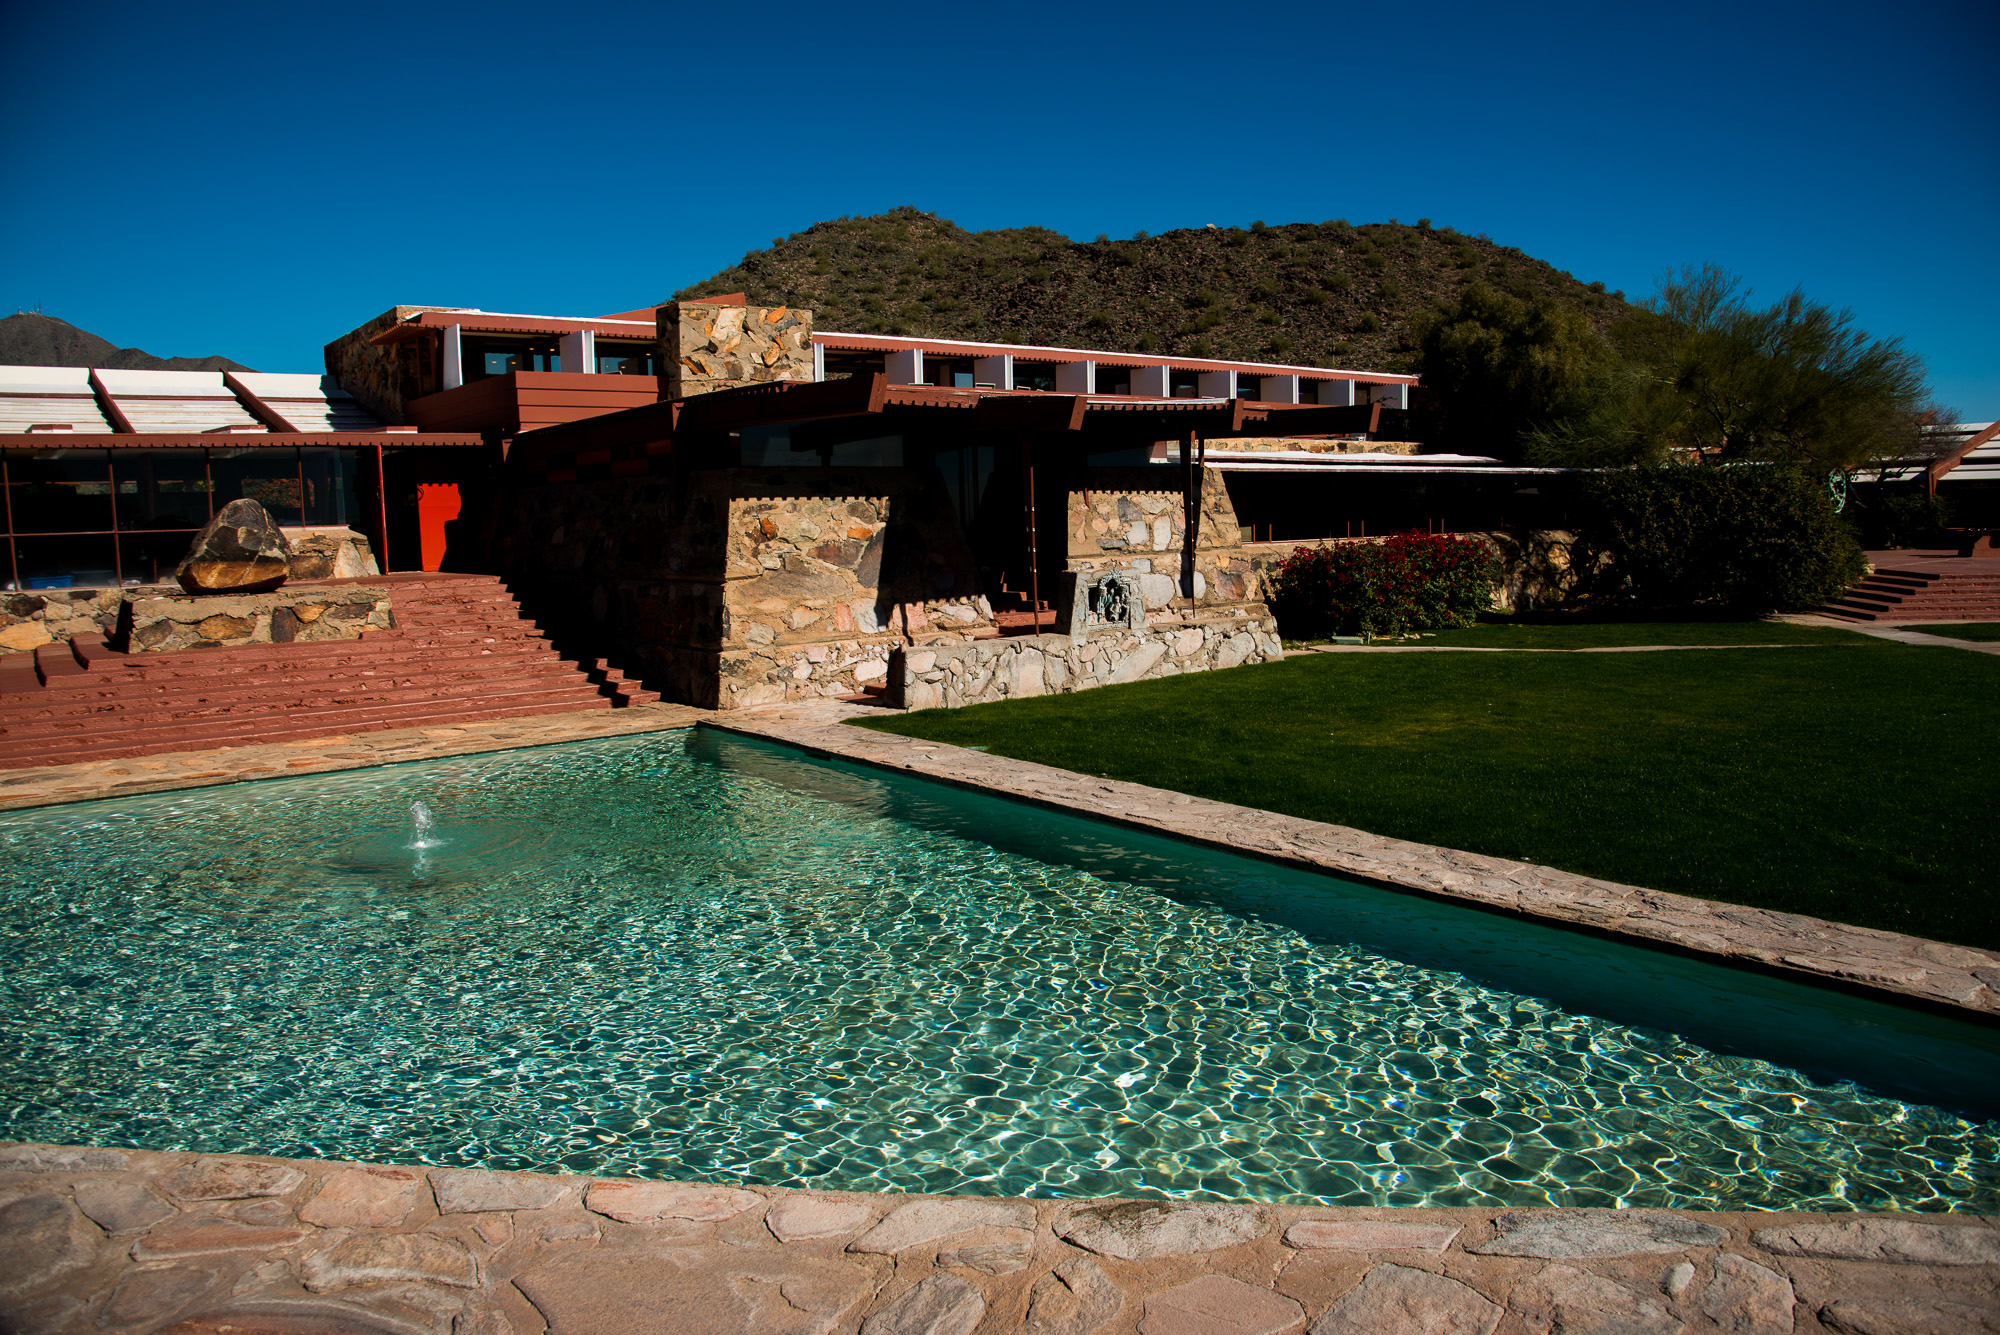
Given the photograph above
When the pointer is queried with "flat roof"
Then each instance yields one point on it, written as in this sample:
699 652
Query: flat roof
624 325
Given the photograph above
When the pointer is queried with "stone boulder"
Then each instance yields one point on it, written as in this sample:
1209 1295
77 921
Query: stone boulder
241 551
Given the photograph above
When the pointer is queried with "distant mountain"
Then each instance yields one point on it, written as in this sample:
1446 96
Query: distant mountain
27 339
1317 294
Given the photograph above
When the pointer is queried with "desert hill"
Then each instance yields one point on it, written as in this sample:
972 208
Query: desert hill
28 339
1324 294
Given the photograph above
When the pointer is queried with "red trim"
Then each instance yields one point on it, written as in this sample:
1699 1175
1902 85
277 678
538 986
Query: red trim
1942 466
479 322
382 502
259 409
261 440
116 415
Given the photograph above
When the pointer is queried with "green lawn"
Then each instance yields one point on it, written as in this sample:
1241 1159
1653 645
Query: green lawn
1983 631
1847 781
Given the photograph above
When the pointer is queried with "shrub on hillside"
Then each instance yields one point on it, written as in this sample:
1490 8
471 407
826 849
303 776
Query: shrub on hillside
1740 540
1408 581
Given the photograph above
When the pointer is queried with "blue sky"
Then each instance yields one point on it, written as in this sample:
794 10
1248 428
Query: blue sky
255 180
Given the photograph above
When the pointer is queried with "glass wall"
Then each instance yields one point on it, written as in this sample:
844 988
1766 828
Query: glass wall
96 518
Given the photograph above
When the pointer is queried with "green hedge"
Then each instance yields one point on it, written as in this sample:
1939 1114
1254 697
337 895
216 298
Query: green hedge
1408 581
1741 539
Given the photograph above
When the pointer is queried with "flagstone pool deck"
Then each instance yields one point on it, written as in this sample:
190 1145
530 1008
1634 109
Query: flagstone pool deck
106 1239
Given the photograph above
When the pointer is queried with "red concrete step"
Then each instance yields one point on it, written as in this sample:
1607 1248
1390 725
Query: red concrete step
231 665
418 686
332 718
462 650
197 740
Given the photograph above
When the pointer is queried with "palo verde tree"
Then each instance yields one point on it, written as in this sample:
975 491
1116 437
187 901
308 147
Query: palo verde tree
1699 372
1499 368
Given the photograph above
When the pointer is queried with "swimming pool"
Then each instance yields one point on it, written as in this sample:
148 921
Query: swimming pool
696 955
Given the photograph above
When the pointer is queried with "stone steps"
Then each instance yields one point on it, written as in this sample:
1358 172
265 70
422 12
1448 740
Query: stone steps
1917 595
462 651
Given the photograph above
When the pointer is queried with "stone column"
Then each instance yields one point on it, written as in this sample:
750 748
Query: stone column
703 347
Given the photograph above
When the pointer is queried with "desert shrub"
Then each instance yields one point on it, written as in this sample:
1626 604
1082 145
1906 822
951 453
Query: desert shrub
1408 581
1891 516
1738 540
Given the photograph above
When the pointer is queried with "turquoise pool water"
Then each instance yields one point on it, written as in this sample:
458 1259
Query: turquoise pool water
695 955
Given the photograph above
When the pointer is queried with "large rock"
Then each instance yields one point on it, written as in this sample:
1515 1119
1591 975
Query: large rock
241 551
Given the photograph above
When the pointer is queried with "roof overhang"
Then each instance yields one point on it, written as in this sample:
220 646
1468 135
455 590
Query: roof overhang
256 440
428 323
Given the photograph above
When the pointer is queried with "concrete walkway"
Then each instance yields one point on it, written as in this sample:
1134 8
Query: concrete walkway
1905 633
96 1240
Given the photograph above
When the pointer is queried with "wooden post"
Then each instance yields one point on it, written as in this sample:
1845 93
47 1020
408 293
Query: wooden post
1191 508
1034 554
382 506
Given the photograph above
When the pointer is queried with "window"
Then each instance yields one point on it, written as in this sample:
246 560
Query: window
1113 380
1184 384
1249 386
97 518
624 358
483 357
950 372
1035 375
842 363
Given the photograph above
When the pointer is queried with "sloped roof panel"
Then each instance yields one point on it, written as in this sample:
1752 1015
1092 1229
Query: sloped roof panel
33 396
177 401
310 402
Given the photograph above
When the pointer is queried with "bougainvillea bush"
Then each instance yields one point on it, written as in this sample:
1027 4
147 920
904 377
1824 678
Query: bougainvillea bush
1408 581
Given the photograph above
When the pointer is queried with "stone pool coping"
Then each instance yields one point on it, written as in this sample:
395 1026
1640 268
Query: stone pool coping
172 771
1957 979
140 1241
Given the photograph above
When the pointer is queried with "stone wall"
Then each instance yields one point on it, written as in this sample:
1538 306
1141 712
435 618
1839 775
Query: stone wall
705 347
384 377
981 671
1133 518
747 586
47 616
163 623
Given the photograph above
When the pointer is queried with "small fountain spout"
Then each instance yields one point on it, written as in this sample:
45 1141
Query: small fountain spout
420 817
